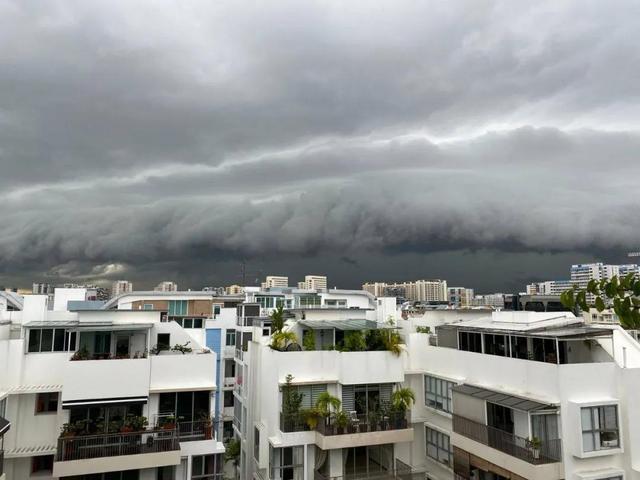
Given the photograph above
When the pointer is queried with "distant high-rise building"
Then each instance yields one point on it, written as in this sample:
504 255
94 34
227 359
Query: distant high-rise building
550 287
582 274
42 289
166 287
121 286
314 282
273 281
377 289
495 300
234 290
418 291
460 296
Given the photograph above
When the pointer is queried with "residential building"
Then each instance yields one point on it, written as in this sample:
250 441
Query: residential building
417 291
534 303
460 296
91 395
607 316
208 319
273 281
234 290
581 274
42 289
166 287
121 286
549 287
494 300
313 282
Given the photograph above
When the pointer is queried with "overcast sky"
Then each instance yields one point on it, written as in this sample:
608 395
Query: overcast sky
489 143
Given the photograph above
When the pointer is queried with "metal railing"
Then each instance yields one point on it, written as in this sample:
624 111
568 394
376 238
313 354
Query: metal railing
116 444
293 422
198 430
390 475
549 451
1 462
364 424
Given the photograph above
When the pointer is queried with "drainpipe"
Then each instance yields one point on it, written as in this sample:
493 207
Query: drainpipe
624 357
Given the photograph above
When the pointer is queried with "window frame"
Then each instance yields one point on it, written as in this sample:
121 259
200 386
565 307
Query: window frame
440 385
595 433
69 339
47 403
439 438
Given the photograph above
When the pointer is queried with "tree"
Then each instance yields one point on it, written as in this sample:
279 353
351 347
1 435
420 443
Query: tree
232 451
354 341
621 293
402 398
327 402
280 340
309 340
392 341
291 398
277 319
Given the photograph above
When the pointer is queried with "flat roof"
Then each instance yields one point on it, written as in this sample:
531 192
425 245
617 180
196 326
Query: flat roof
506 400
345 324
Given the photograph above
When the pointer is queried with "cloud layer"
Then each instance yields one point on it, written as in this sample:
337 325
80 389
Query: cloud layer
148 137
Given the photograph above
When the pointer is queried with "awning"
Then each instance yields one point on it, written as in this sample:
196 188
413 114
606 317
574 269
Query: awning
349 324
509 401
103 401
90 326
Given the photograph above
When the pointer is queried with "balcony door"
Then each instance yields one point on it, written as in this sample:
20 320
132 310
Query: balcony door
500 417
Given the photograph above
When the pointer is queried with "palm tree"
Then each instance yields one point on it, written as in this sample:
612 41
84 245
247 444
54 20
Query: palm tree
277 319
392 342
402 398
327 402
280 340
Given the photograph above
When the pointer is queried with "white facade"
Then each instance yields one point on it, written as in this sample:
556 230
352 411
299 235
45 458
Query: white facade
97 375
273 281
121 286
166 287
549 287
460 296
314 282
417 291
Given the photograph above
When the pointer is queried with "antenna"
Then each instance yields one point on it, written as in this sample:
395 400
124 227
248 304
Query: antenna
243 273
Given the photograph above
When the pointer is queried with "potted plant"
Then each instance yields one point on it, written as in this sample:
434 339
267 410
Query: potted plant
168 423
341 421
68 430
534 444
207 424
312 417
374 420
401 400
81 354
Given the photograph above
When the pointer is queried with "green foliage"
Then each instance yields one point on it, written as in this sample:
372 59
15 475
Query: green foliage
621 293
374 340
327 402
354 341
402 399
312 416
232 451
291 398
420 329
392 341
280 340
182 348
277 319
341 419
309 340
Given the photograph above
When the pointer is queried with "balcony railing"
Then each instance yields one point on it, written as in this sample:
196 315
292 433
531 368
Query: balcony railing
364 424
294 422
198 430
390 475
84 447
550 451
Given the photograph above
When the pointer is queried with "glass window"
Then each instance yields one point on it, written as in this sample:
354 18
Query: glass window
256 444
216 310
46 342
599 428
207 467
47 402
230 338
188 323
42 464
287 463
147 306
228 398
197 323
437 393
439 447
50 340
470 341
177 307
34 341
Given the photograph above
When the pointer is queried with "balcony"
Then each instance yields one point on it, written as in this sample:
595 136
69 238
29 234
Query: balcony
108 452
364 424
198 430
550 451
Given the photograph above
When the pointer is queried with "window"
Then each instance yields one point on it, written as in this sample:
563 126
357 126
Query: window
207 467
216 310
47 402
177 307
287 462
228 398
437 393
188 322
256 444
599 428
164 339
51 340
230 338
470 342
123 475
3 407
147 306
229 368
185 406
438 446
42 464
227 430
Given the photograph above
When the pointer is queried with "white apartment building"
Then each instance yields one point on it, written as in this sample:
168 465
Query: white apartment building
121 286
166 287
89 395
607 316
377 289
493 300
460 296
273 281
313 282
418 291
549 287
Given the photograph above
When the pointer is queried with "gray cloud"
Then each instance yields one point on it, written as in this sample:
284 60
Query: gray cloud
150 138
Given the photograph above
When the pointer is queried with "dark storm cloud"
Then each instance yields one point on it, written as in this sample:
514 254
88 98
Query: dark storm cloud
142 137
